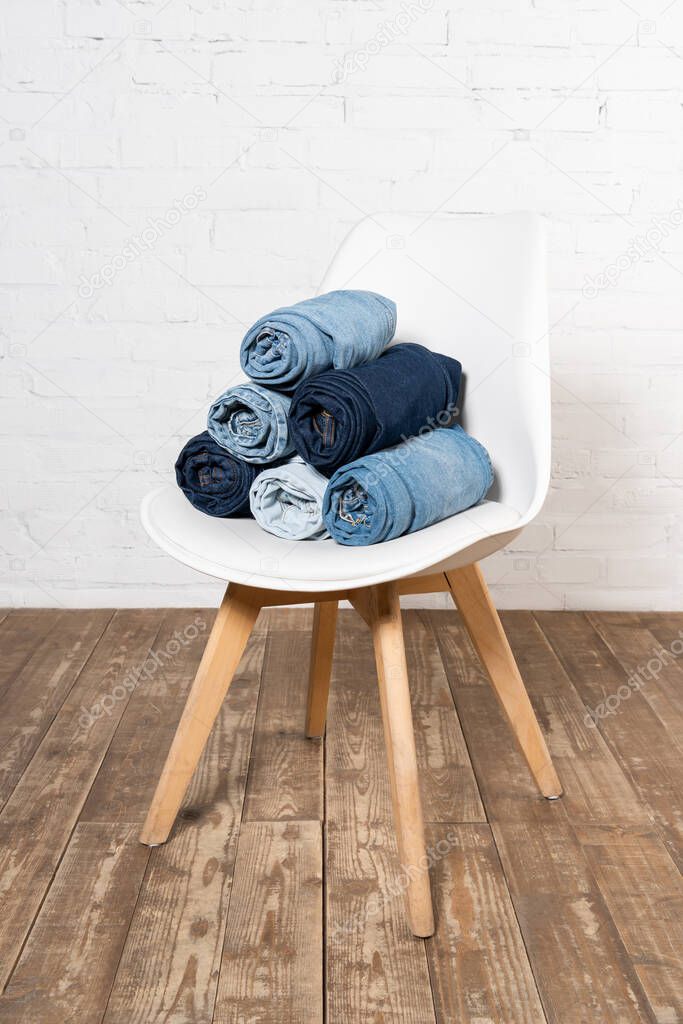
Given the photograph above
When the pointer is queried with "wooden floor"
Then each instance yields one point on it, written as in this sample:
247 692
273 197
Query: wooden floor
278 897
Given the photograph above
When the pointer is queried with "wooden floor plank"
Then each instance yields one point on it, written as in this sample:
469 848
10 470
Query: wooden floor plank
507 788
643 892
478 963
38 690
169 968
67 966
581 966
127 779
37 820
647 659
271 969
21 632
448 786
376 969
638 740
561 912
286 773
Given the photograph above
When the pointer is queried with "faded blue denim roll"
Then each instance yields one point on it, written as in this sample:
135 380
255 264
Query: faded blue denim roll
288 501
212 479
251 422
403 489
340 329
342 414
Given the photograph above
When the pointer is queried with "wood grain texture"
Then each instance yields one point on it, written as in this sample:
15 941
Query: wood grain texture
286 775
37 820
271 969
638 741
584 891
225 645
506 786
22 631
479 614
646 658
169 968
479 966
35 694
642 890
67 967
376 970
126 781
320 669
582 968
399 741
447 783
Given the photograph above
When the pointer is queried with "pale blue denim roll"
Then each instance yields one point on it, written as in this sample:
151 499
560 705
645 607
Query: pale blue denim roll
288 501
251 422
338 329
403 489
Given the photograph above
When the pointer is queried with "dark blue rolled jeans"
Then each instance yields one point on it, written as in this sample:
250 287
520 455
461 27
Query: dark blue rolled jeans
213 480
340 415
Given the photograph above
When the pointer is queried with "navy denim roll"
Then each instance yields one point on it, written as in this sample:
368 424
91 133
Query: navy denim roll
342 414
213 480
403 489
341 328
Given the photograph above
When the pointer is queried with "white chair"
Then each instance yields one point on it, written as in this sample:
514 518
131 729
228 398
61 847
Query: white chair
469 286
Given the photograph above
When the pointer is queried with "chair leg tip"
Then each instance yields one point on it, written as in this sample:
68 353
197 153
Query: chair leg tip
424 930
150 839
554 796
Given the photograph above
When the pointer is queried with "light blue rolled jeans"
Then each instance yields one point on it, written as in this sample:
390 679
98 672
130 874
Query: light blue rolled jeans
339 329
251 422
288 501
402 489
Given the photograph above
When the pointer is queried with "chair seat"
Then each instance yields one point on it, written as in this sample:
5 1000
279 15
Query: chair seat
240 551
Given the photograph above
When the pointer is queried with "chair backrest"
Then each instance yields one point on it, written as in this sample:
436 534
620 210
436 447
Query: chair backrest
472 287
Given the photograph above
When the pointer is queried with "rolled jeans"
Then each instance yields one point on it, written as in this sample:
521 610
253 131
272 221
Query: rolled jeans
406 488
340 329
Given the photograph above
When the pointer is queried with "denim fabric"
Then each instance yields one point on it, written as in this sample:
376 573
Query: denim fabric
287 501
251 422
212 479
343 414
341 329
403 489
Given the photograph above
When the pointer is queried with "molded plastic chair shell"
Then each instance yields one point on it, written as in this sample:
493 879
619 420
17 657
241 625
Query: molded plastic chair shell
472 287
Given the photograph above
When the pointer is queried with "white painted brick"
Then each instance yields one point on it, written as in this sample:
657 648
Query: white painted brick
372 152
641 572
534 70
589 535
569 569
635 69
479 27
367 29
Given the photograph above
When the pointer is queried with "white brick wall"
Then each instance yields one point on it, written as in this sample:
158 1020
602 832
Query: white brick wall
295 118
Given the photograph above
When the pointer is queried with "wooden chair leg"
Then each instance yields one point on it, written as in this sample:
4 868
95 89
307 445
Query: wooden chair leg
322 650
234 622
384 613
471 595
